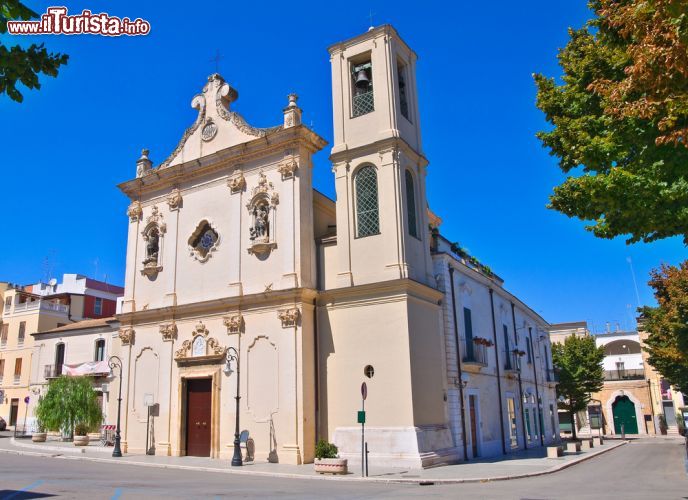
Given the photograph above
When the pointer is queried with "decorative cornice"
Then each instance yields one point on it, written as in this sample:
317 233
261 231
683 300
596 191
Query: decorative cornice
168 331
289 317
126 336
135 211
234 323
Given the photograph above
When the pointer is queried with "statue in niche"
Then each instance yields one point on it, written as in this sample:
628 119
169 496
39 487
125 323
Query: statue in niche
260 229
152 247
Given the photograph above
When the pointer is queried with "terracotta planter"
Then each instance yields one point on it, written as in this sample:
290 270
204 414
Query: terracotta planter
81 440
331 465
39 437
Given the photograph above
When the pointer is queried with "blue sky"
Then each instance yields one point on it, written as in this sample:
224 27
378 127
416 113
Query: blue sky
68 145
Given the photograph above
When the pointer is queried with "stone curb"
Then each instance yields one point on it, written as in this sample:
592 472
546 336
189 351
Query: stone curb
63 449
421 481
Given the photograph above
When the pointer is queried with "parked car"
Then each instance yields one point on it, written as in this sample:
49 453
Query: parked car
3 424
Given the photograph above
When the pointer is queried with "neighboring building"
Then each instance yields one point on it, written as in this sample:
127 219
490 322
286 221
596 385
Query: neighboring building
77 349
666 400
625 397
230 247
36 308
559 331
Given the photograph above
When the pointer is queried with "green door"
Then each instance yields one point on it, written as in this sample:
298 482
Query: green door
624 413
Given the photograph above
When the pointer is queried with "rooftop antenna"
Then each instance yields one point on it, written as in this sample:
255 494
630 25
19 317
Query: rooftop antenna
218 57
370 16
95 264
48 266
635 284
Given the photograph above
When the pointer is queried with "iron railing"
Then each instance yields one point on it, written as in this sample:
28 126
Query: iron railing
52 371
624 374
551 375
476 353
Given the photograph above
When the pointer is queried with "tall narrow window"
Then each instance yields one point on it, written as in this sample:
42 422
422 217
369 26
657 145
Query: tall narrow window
403 91
362 85
507 363
468 321
529 346
98 306
2 369
367 211
513 433
3 334
22 333
100 350
59 358
17 370
411 205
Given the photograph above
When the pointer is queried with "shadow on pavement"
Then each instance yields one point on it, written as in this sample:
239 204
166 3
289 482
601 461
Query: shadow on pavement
21 495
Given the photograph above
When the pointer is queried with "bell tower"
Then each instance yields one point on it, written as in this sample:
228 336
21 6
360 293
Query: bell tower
378 161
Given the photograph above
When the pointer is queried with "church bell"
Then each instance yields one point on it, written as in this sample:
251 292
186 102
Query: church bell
362 80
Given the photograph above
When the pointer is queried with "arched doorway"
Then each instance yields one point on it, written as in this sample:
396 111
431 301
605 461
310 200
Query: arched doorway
623 410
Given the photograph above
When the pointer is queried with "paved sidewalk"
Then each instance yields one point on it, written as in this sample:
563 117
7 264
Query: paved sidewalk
528 463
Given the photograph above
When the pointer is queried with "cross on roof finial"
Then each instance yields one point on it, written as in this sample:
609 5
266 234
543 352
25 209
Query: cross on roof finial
218 57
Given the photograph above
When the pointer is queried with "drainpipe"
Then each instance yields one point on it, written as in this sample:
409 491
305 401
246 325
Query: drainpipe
499 378
317 369
537 390
652 406
520 386
458 365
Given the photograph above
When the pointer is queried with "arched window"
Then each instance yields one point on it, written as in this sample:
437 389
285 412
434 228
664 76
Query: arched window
367 211
100 350
411 205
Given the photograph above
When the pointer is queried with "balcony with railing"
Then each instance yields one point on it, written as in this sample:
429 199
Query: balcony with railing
512 363
551 375
17 379
52 371
624 374
475 357
43 305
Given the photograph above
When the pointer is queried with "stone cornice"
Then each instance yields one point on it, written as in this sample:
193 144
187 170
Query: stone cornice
385 291
224 306
276 142
376 147
371 34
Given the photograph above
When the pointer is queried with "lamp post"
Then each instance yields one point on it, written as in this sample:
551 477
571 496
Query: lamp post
115 362
233 355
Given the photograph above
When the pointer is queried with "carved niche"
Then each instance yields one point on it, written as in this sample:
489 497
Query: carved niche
233 323
126 336
200 348
262 209
153 239
289 317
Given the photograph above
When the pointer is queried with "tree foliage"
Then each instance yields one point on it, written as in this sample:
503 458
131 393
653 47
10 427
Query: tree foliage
579 363
18 64
69 401
621 115
667 324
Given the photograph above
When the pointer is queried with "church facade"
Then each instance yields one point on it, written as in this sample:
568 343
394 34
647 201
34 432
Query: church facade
232 254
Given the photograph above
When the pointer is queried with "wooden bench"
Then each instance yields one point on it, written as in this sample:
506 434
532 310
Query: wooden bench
554 451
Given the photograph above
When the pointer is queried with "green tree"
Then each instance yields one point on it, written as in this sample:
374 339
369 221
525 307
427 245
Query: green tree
19 64
69 401
667 324
620 120
579 363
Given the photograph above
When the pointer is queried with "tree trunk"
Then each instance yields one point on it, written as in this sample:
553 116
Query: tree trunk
573 424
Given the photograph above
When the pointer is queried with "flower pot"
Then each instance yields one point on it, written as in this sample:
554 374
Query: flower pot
81 440
39 437
331 465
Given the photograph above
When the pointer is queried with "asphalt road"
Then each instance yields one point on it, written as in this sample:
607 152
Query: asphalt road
643 469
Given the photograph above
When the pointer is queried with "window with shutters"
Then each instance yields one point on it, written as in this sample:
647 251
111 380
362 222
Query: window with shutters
411 205
17 370
100 350
3 334
2 369
22 333
367 210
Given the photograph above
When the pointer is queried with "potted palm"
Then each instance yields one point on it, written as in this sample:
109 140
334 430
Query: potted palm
70 405
40 435
327 460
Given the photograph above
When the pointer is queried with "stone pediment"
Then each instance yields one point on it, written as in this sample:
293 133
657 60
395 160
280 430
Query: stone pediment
216 126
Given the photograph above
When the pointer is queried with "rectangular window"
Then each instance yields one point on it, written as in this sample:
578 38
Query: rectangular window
2 368
362 89
468 321
100 350
511 407
530 433
403 90
22 333
3 335
8 303
17 370
98 306
529 347
507 357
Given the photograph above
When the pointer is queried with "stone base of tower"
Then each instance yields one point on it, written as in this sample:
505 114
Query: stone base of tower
405 447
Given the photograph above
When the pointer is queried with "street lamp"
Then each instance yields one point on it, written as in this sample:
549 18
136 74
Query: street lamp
233 355
115 362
